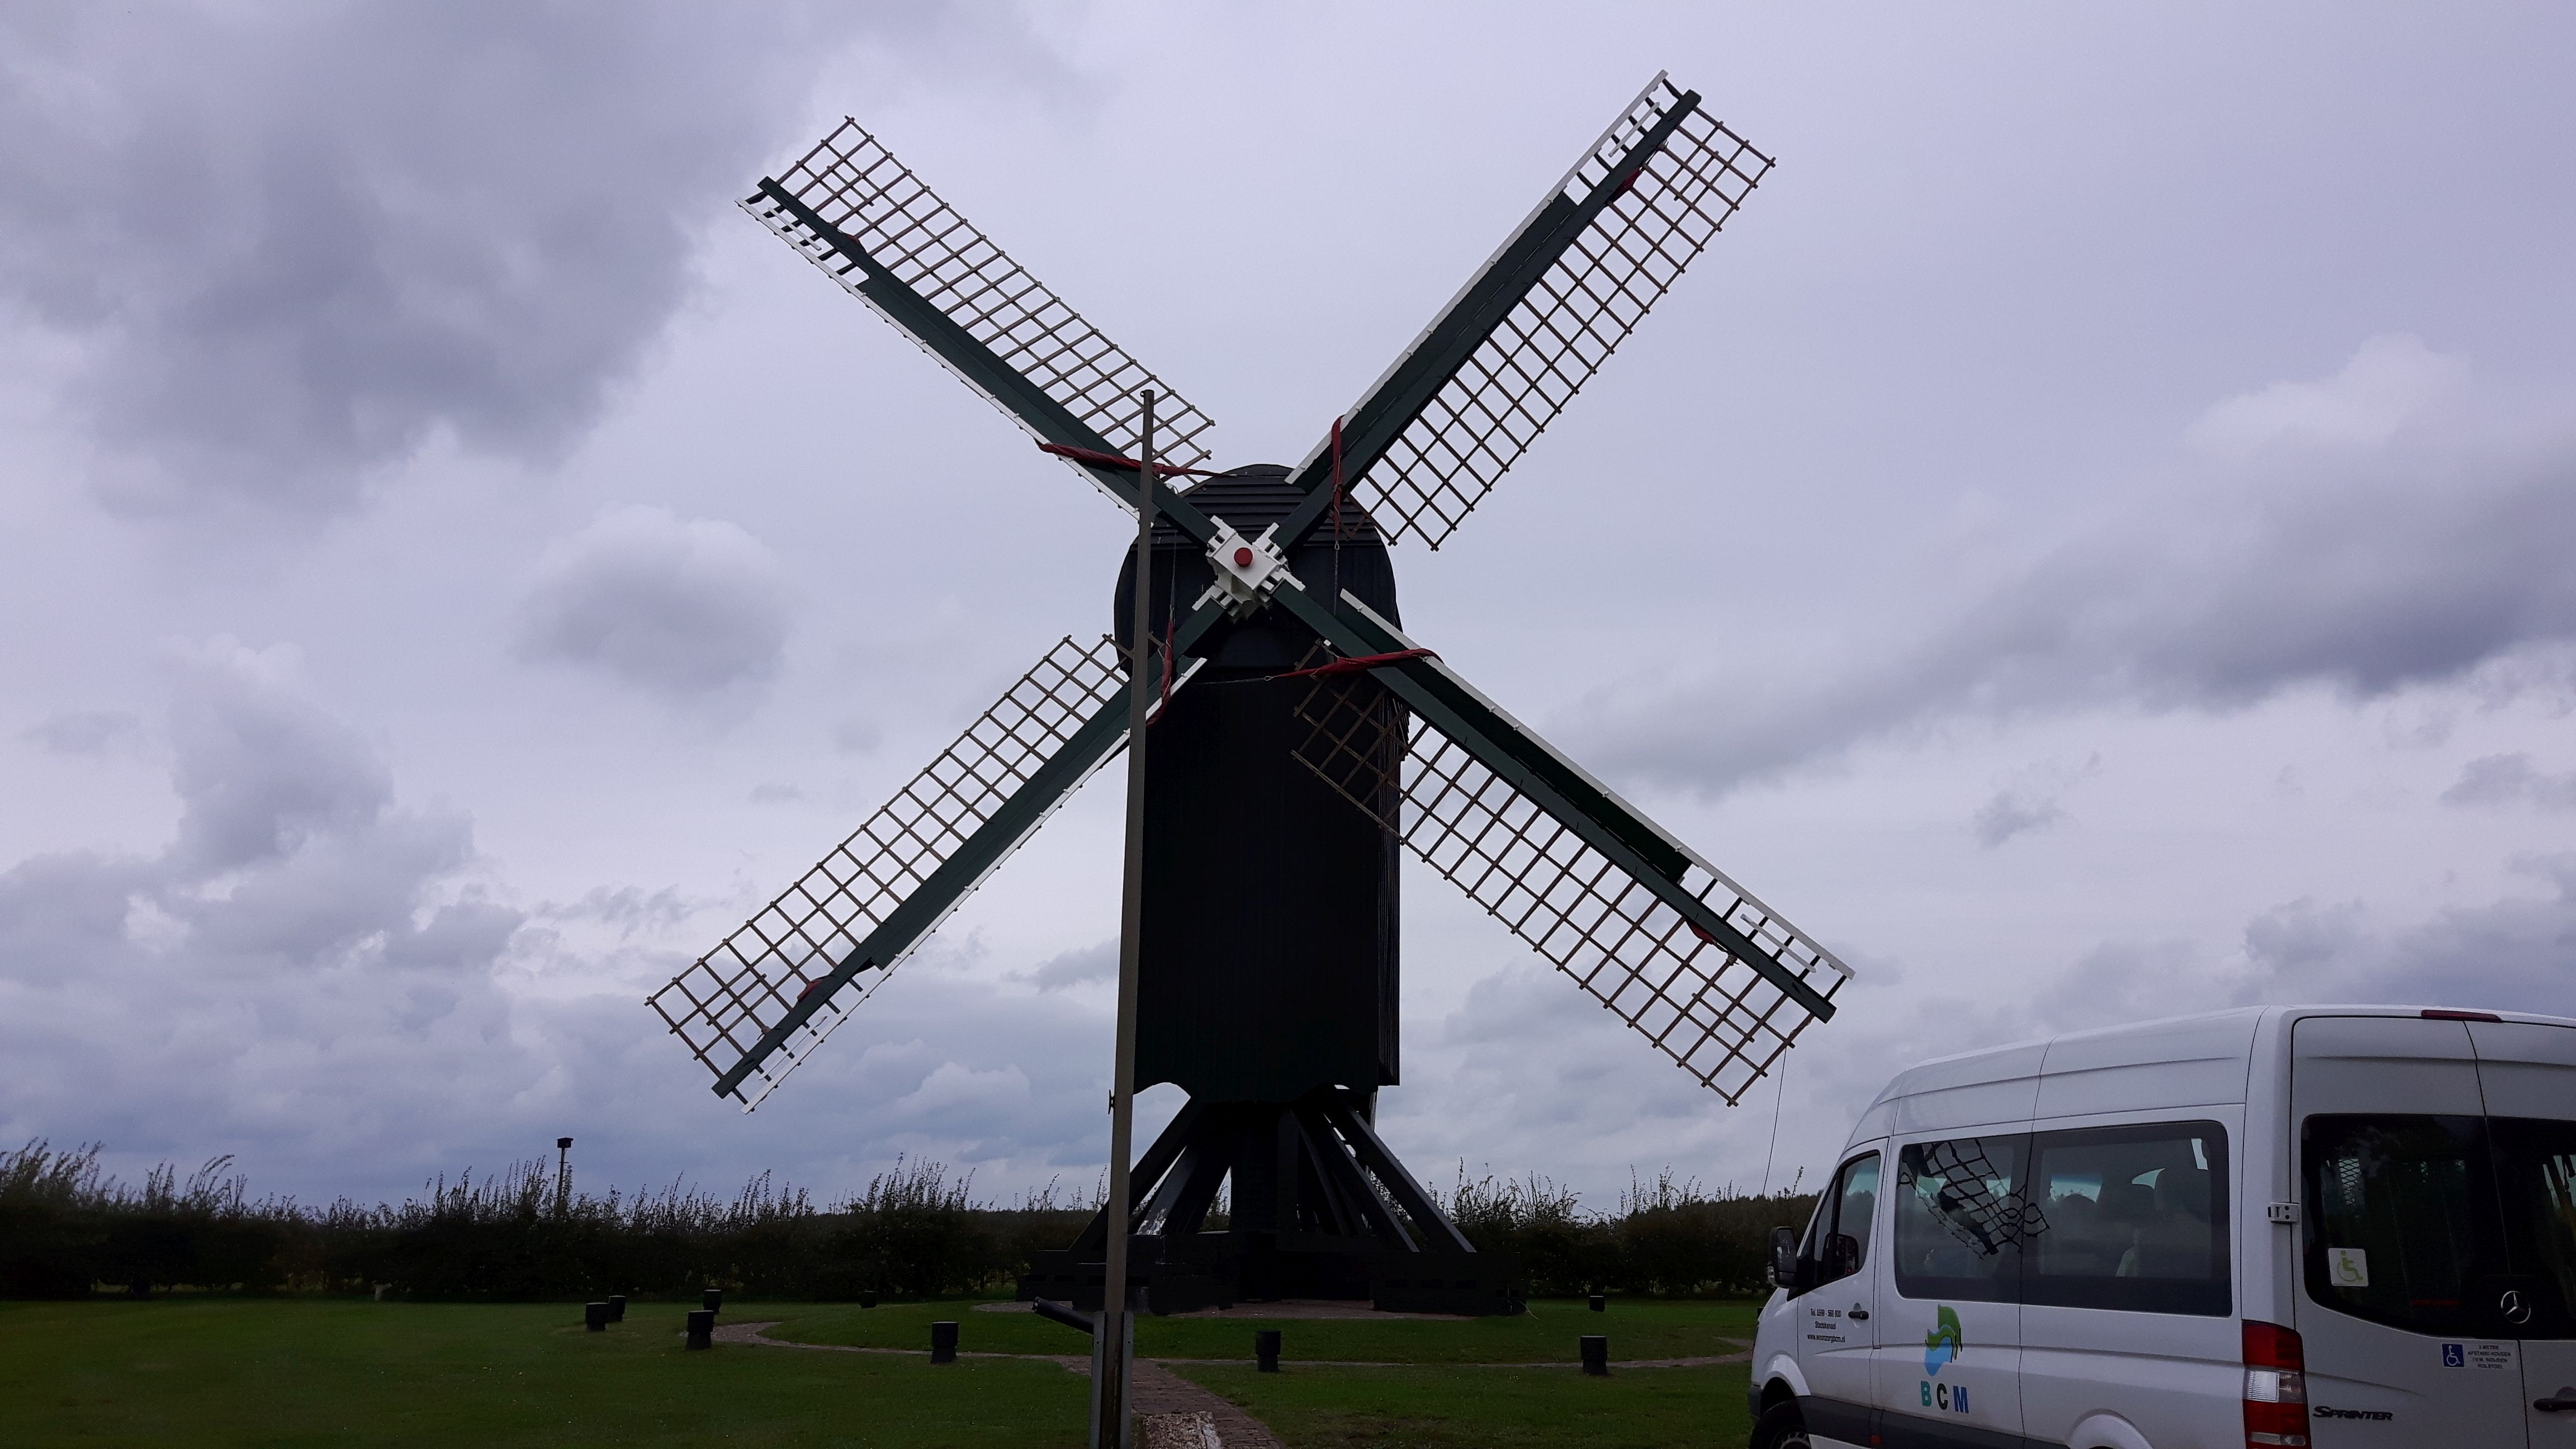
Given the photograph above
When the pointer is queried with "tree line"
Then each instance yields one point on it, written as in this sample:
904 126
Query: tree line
68 1229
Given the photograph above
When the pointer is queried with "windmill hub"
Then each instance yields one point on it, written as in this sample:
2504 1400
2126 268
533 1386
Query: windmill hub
1247 572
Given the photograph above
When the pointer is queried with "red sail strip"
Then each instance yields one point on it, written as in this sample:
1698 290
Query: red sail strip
1358 663
1099 459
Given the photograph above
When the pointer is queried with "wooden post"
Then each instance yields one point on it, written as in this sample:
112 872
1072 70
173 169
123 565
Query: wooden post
1110 1418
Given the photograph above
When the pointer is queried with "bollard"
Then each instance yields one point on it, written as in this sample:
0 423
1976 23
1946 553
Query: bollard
702 1328
1600 1303
1265 1347
867 1300
617 1308
594 1316
713 1300
943 1341
1596 1354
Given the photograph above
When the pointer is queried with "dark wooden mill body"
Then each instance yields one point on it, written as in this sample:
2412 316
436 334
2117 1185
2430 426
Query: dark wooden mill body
1270 956
1301 742
1269 978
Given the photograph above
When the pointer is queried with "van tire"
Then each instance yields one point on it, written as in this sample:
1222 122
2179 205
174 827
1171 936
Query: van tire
1781 1427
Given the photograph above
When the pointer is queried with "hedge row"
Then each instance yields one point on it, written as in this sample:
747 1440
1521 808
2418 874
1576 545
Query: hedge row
1669 1237
67 1230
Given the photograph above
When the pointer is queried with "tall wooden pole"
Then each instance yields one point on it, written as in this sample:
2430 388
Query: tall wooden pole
1109 1428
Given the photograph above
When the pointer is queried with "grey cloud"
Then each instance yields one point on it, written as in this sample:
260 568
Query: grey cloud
259 771
857 736
2032 801
2012 813
302 939
299 242
2510 779
84 731
2385 555
2516 954
1097 962
679 609
311 975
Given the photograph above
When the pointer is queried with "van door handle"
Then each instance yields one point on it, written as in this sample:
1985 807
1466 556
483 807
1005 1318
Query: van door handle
2555 1406
1863 1314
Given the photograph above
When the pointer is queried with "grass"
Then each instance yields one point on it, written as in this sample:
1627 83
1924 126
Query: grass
1488 1408
285 1372
333 1372
1638 1329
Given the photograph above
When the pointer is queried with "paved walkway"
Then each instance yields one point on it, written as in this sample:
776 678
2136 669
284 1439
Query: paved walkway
1172 1412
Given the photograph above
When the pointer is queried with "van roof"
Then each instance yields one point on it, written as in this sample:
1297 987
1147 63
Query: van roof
2195 1055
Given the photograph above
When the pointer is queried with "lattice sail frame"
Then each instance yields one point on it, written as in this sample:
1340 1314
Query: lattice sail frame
856 185
723 1004
1714 1015
1550 344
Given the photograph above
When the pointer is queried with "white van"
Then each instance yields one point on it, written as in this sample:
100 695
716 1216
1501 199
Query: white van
2316 1226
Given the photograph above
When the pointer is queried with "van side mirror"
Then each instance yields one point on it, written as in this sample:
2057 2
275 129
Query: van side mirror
1784 1260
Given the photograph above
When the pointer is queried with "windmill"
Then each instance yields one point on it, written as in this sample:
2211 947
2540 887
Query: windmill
1300 740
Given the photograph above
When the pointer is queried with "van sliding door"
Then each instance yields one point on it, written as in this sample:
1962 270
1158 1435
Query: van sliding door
2125 1264
1949 1361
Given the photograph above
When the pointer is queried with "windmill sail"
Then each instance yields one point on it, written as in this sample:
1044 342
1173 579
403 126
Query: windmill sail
1452 415
768 994
1695 963
855 211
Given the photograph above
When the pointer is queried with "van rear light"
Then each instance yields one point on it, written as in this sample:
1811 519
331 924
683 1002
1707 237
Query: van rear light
2276 1388
2443 1013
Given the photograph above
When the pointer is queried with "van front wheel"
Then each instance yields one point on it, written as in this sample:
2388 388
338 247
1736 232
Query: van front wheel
1781 1428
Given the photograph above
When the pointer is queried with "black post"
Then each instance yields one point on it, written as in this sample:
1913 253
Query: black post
594 1316
1265 1347
617 1308
1596 1354
867 1300
1600 1303
943 1341
1054 1312
712 1300
702 1328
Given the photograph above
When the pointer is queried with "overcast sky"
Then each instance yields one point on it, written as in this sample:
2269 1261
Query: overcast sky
2090 541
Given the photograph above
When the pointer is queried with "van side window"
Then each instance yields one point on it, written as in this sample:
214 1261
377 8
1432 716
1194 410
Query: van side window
2536 1168
1838 1240
2130 1218
2401 1225
1959 1218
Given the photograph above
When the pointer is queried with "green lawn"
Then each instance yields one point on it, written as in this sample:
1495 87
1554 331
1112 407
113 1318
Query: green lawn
1490 1408
333 1372
1638 1329
221 1371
